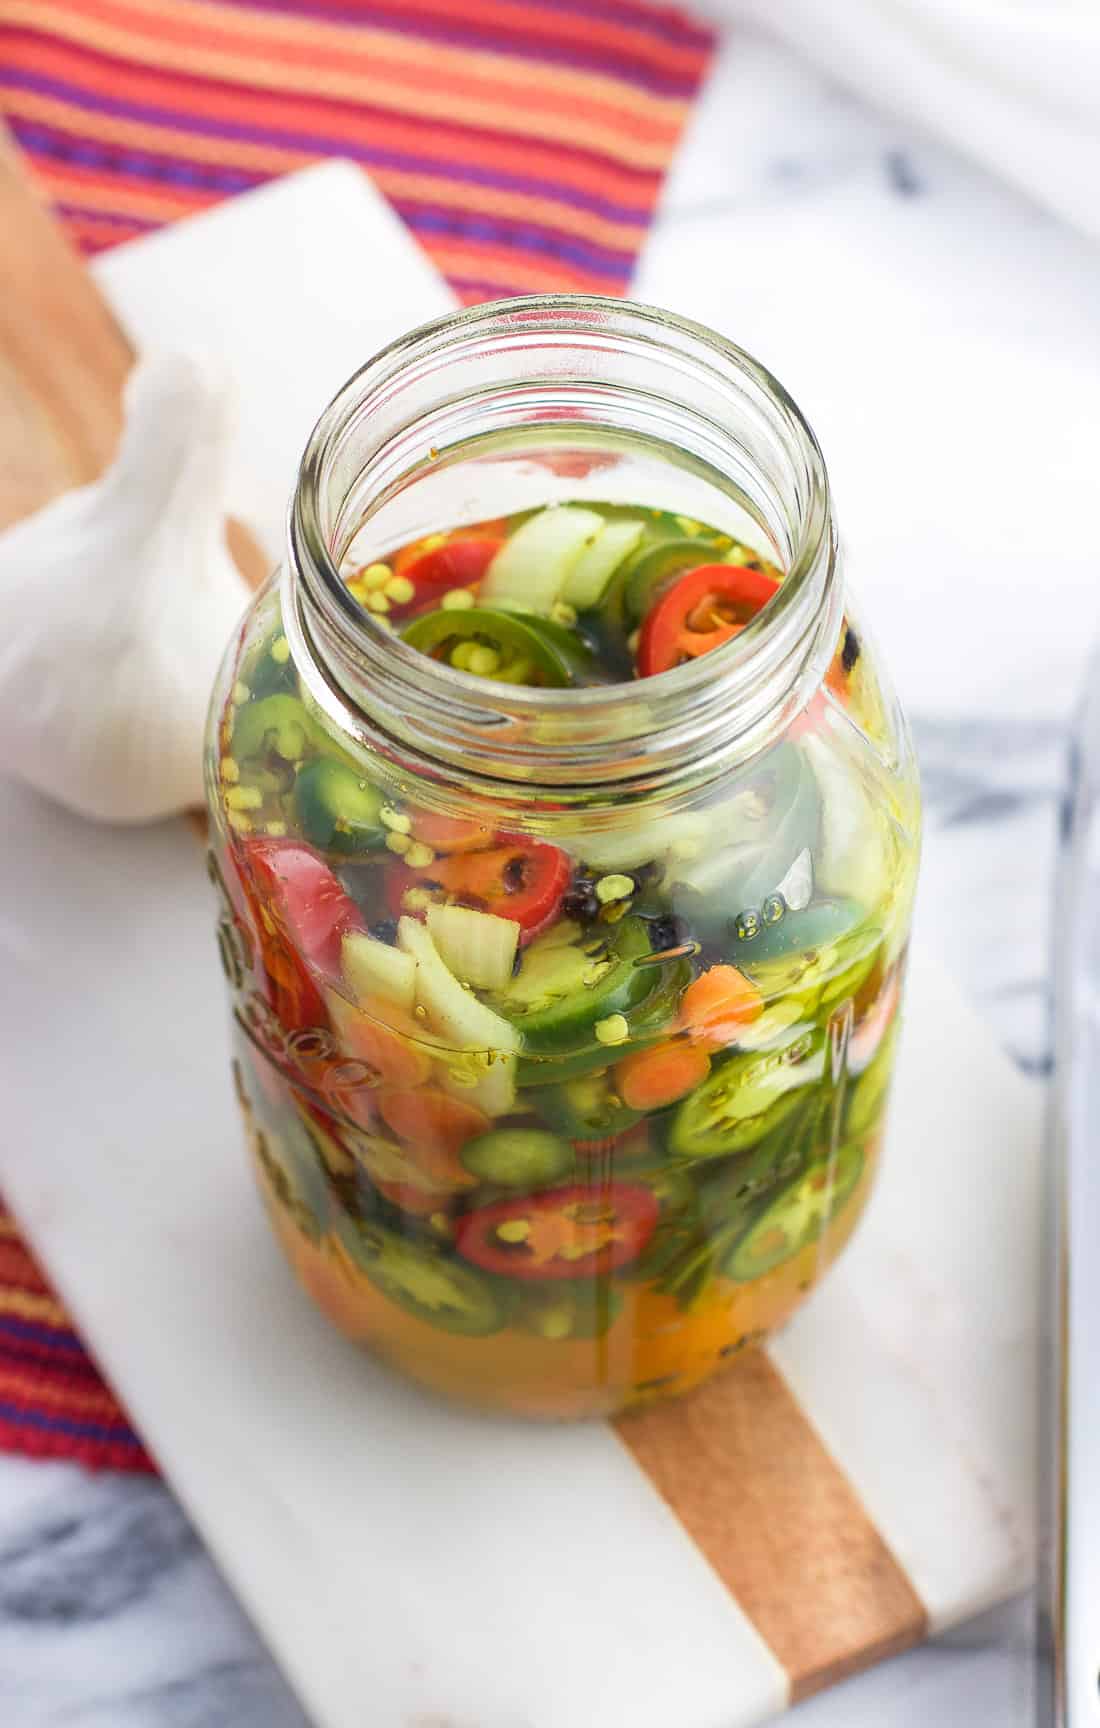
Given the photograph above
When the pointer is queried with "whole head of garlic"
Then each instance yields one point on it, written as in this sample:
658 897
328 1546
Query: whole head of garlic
118 600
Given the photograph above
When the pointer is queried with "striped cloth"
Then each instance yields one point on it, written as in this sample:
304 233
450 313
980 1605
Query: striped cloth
524 143
522 140
53 1403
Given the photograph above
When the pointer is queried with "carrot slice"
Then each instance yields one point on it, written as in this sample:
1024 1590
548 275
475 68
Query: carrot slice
450 833
434 1123
381 1034
649 1079
718 1005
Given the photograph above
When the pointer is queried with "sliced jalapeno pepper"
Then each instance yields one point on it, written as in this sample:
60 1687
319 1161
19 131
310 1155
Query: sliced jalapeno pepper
337 808
679 1257
506 646
586 1308
654 568
277 723
571 979
271 672
796 1216
587 1108
290 1163
868 1096
666 551
820 956
746 1097
733 1190
673 1189
817 927
422 1280
518 1158
584 998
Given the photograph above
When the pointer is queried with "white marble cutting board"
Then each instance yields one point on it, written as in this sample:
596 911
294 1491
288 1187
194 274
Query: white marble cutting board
397 1552
413 1566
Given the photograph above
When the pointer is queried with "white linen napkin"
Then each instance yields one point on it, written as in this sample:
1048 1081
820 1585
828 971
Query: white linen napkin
1014 83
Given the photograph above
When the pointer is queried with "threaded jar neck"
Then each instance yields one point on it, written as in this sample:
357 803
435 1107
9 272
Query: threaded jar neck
456 420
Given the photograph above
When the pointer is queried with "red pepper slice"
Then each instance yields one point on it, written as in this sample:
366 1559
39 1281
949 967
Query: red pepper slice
301 913
705 608
458 563
571 1232
521 879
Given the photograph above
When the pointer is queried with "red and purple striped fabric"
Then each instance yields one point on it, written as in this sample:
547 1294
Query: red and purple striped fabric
53 1403
523 141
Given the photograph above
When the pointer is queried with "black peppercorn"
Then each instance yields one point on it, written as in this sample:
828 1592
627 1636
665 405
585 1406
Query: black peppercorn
668 931
850 652
385 930
581 902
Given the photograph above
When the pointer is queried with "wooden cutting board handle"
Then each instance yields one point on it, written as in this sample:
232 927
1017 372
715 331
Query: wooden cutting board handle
64 360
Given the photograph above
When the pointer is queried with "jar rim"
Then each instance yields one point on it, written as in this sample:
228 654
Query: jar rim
686 716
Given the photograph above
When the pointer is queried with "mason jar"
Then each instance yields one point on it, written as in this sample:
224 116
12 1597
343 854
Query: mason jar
581 1169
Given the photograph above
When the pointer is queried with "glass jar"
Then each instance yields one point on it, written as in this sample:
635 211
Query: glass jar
590 1185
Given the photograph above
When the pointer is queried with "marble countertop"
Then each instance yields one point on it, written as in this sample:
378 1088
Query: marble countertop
111 1615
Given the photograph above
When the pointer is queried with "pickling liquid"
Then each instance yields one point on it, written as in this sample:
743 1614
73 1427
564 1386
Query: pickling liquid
561 1124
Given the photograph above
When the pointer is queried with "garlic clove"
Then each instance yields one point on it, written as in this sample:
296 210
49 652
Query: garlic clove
118 601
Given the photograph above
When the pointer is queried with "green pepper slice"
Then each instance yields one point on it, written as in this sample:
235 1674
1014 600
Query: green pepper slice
820 956
654 566
291 1185
648 1017
572 978
747 1096
267 674
517 649
674 1190
423 1280
818 926
277 723
587 1108
867 1098
679 1257
293 1171
733 1190
338 809
797 1215
518 1158
586 1308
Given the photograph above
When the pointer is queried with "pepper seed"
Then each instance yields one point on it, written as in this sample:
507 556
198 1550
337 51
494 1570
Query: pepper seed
614 1030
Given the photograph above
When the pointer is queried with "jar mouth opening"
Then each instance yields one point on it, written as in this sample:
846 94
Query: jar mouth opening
779 648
